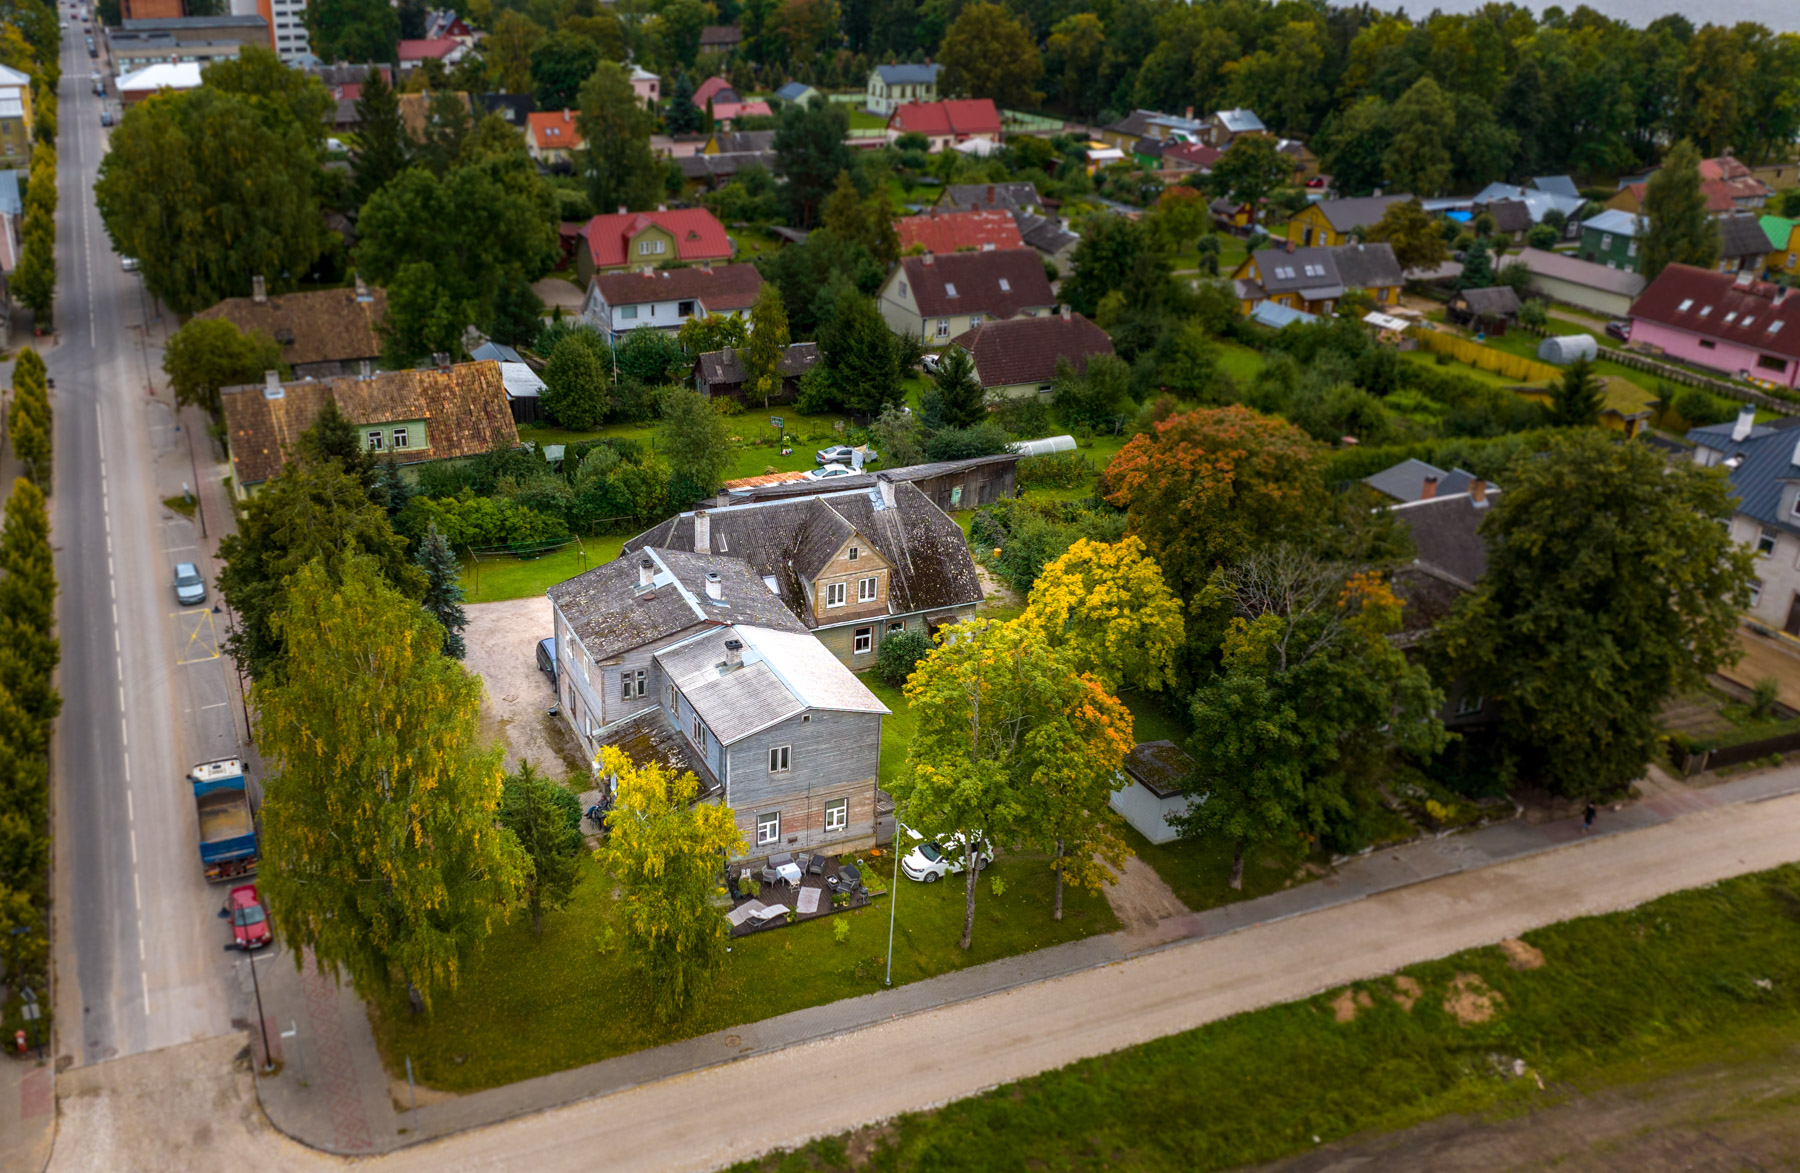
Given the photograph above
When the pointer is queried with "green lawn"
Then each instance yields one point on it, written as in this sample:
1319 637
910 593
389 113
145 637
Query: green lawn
528 1006
1199 870
896 731
494 579
1239 361
861 119
1694 978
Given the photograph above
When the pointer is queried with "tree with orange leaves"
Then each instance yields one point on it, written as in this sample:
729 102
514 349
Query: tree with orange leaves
1312 699
1204 487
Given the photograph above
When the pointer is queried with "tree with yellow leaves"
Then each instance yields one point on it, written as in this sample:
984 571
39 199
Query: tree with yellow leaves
1106 604
1292 735
664 850
1013 742
382 854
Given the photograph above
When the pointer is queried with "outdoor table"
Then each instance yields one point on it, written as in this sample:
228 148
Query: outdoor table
789 872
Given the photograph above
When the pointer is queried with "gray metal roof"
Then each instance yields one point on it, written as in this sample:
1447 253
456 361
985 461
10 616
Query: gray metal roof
1560 185
1743 236
908 75
1578 272
1445 533
1764 464
1406 481
780 674
1360 212
1320 272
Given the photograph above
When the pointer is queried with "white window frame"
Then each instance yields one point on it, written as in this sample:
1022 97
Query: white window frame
674 701
375 440
1766 541
862 641
834 593
401 437
768 829
837 814
855 553
628 313
1469 703
943 328
697 733
643 248
1756 592
781 759
867 589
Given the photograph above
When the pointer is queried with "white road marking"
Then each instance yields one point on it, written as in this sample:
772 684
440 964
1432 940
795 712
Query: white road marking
133 845
144 981
178 549
130 815
220 705
137 896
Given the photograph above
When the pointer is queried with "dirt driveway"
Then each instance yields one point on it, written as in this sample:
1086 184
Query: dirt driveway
502 641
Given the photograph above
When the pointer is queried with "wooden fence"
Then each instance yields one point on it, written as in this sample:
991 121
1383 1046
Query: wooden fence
1526 370
1691 762
1682 375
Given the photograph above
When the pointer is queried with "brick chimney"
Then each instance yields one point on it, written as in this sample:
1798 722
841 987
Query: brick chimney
259 291
1430 489
702 532
990 198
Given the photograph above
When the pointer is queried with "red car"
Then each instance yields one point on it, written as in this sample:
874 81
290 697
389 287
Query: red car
249 923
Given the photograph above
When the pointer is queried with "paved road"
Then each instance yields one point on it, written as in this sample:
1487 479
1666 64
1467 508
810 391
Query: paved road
704 1120
139 956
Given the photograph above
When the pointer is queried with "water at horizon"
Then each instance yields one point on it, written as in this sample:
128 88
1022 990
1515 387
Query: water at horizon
1782 16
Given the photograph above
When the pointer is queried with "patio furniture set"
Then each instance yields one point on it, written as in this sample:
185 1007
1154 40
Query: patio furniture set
803 885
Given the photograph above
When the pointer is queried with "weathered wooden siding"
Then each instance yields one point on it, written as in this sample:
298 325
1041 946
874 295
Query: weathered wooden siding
842 568
832 756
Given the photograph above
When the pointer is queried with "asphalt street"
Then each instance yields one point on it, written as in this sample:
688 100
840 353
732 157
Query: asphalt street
140 959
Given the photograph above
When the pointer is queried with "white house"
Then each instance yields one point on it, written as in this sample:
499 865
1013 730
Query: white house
1156 772
664 298
890 86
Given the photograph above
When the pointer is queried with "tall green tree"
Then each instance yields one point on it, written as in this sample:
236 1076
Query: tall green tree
621 170
560 64
662 850
1250 169
380 852
1010 739
955 398
767 347
867 221
545 817
507 51
443 590
209 353
354 30
809 156
1416 238
1109 255
696 439
207 192
381 150
1577 398
1418 158
576 381
988 54
862 356
284 98
1612 584
1296 731
1677 229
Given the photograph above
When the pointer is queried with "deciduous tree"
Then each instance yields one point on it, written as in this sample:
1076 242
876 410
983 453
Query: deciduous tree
575 382
1106 605
1204 487
615 128
380 851
560 64
663 850
508 51
697 441
1677 229
988 54
1417 239
209 353
1424 123
545 817
1012 742
767 346
1296 729
354 30
1249 170
1612 584
867 221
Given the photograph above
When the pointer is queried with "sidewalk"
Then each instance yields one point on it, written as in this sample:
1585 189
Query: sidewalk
27 1112
333 1093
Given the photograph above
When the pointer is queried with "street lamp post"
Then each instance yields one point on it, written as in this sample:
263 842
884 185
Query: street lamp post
893 897
262 1020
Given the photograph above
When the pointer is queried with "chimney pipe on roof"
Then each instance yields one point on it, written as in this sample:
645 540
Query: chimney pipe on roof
990 198
1067 312
734 652
715 589
887 490
368 368
1430 489
362 291
272 385
259 291
623 210
1478 493
1746 421
646 572
442 359
702 532
662 207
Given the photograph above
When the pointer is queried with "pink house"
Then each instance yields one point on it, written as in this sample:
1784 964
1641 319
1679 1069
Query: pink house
1729 322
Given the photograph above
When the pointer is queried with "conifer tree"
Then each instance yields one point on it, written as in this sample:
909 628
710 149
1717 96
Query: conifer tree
443 590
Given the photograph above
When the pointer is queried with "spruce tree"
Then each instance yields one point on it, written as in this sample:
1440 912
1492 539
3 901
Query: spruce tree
1576 401
955 398
443 590
546 818
381 137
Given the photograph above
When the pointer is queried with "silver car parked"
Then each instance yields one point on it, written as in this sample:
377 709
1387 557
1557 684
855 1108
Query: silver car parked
190 585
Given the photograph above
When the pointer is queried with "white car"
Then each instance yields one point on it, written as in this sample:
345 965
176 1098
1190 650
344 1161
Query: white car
928 863
129 264
845 454
830 470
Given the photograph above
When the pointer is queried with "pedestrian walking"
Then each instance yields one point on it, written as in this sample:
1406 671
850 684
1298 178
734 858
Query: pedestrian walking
1587 817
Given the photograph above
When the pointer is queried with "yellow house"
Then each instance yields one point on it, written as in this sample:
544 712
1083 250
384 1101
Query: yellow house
1328 223
1784 244
1624 406
1314 279
15 116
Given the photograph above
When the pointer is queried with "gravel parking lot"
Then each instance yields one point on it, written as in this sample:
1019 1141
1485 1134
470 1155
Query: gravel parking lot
502 641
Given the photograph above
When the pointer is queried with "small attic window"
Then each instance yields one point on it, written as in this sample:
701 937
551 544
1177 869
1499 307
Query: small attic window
1687 303
1005 285
1775 325
855 553
1731 317
769 581
1705 310
949 289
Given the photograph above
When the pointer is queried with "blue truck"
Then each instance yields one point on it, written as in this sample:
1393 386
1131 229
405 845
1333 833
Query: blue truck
228 849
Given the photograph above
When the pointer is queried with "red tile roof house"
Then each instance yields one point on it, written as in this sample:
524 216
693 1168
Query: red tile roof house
726 104
449 50
1017 358
630 239
550 135
1723 321
944 124
662 299
951 232
935 298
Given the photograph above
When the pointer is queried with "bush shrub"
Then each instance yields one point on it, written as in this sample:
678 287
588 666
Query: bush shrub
900 653
986 438
1062 470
